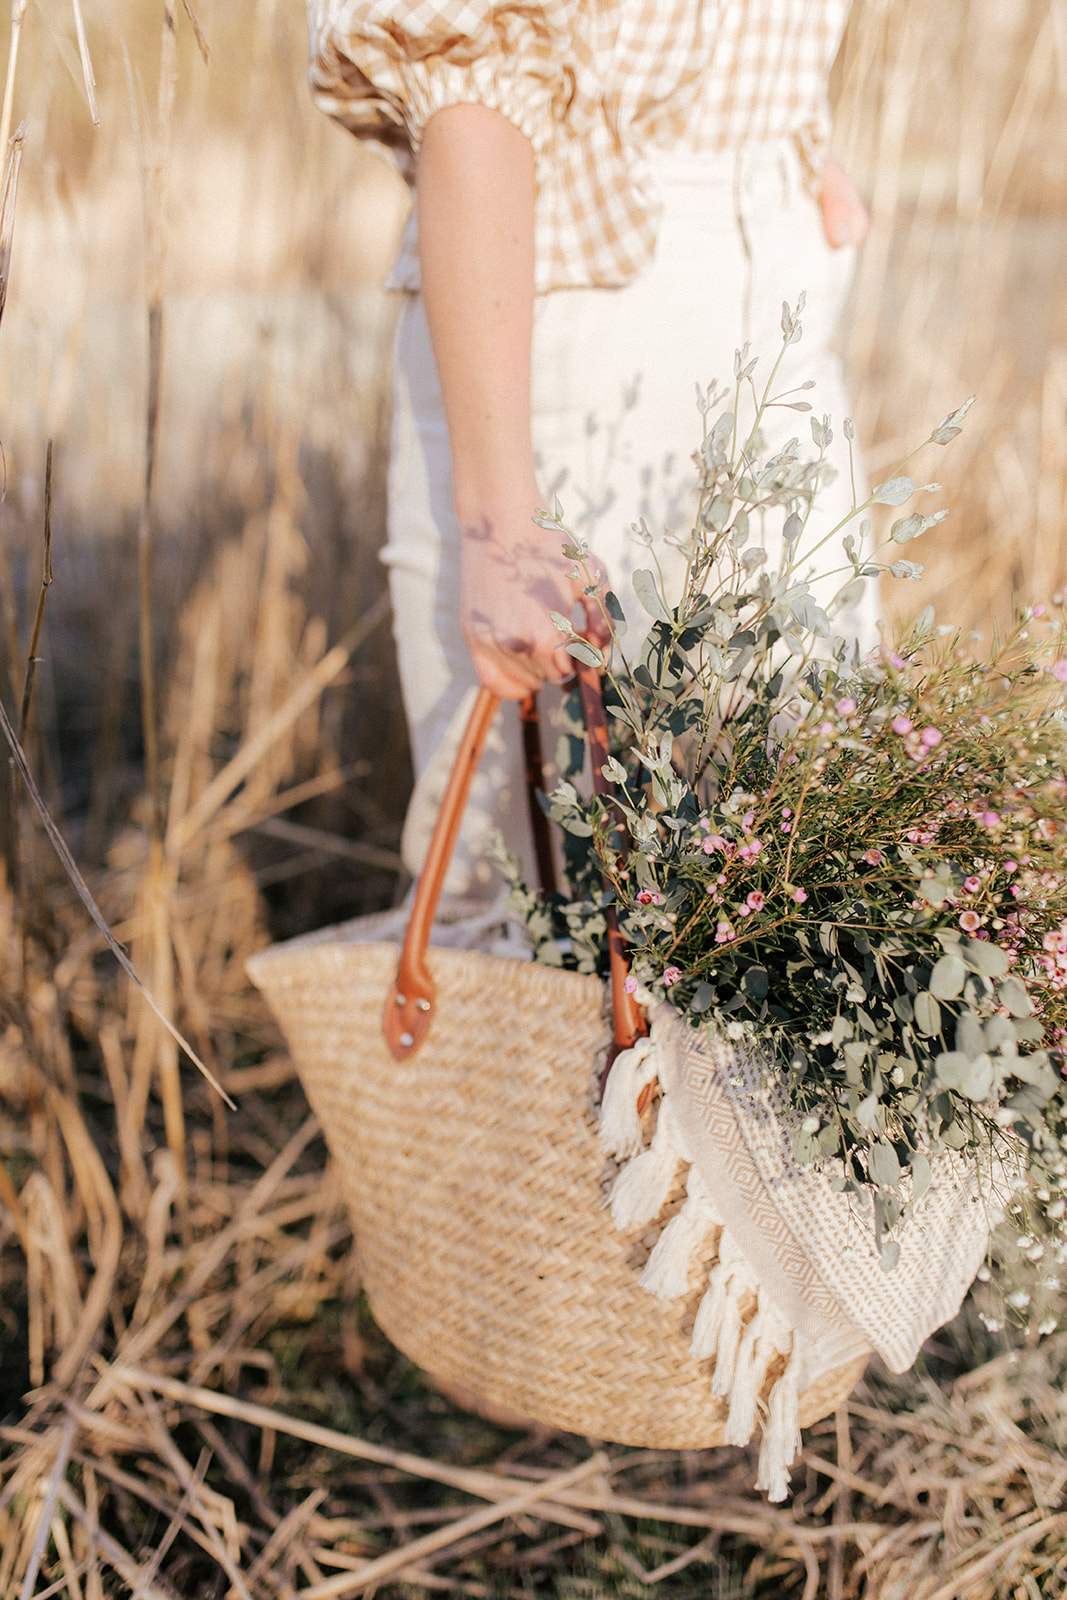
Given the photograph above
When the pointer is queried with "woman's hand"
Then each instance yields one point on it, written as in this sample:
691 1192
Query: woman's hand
514 575
845 218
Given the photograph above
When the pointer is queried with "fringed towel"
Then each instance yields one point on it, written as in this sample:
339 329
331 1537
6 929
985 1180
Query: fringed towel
797 1287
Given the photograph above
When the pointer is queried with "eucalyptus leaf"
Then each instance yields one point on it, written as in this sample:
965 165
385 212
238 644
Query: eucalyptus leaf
703 997
882 1164
979 1078
893 492
585 652
998 1033
615 611
921 1176
987 958
952 1067
890 1255
970 1039
644 586
1013 994
867 1113
1035 1069
907 528
756 983
947 978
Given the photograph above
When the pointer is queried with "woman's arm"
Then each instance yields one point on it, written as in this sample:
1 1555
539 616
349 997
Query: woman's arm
475 197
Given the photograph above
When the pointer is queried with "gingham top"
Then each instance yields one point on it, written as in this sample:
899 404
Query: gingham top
594 84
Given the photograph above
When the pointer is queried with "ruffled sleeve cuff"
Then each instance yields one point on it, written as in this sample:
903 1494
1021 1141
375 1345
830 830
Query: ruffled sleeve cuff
383 68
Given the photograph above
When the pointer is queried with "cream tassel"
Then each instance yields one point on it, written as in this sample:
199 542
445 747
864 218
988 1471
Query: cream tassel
631 1071
642 1187
726 1347
717 1328
666 1273
709 1315
766 1335
781 1436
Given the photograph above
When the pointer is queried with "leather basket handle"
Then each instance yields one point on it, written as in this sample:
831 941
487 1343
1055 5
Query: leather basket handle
409 1005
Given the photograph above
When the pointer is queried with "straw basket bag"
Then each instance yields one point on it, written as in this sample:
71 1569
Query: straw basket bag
457 1096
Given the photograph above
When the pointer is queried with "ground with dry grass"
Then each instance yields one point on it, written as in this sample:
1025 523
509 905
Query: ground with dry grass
193 1400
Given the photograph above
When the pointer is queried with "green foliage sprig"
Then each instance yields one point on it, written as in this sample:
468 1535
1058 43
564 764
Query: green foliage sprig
858 866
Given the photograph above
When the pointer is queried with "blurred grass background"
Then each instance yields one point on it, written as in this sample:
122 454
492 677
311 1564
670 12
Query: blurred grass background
140 1223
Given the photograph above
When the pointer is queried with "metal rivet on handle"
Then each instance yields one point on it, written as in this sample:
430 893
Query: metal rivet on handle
400 999
407 1040
422 1005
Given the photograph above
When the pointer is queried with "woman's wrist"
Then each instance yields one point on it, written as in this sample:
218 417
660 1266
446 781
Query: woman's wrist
510 503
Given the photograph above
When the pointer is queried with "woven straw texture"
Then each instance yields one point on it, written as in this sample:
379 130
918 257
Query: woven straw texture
476 1184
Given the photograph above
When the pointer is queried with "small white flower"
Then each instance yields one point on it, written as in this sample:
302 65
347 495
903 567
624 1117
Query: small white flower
810 1125
1018 1299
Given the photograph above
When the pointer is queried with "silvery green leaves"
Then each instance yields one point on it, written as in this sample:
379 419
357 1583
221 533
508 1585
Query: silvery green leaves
911 527
791 326
850 863
579 648
951 426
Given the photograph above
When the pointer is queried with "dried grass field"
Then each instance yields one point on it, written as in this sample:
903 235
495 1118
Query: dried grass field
193 1400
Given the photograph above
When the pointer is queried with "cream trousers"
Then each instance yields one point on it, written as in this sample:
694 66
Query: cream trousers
615 423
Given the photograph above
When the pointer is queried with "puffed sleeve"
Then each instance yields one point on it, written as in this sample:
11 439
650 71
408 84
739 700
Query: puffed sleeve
384 67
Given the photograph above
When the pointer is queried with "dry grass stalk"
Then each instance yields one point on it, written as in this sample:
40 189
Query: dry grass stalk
18 13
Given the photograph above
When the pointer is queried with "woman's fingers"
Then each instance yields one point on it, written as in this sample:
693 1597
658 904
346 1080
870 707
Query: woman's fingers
845 218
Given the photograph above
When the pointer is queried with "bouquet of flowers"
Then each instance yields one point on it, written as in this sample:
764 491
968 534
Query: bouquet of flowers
858 865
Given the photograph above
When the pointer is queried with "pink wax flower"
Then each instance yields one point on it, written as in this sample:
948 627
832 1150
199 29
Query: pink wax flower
902 725
787 811
630 985
931 737
787 827
873 858
969 921
989 819
972 885
748 819
1059 671
845 707
648 897
1011 866
800 895
708 846
671 975
1038 611
755 900
826 729
896 660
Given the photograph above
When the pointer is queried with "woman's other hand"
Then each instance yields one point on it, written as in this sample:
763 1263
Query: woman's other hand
845 218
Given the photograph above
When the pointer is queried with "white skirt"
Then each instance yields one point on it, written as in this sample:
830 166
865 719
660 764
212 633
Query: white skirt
615 424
